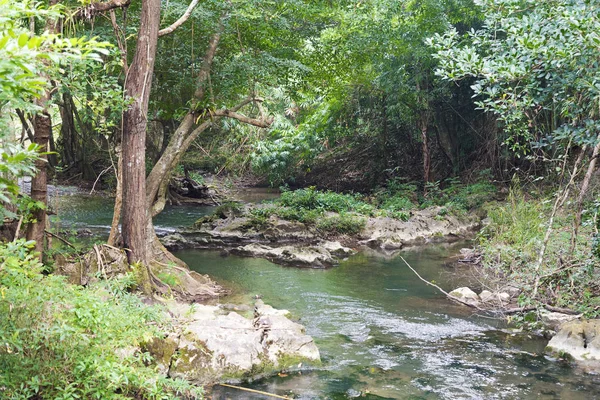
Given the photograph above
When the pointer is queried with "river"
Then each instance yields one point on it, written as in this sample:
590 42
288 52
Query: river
382 333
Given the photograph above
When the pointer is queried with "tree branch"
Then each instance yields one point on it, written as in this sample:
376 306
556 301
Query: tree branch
180 21
96 8
261 123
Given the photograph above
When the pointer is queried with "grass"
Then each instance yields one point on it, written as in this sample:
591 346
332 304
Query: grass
511 245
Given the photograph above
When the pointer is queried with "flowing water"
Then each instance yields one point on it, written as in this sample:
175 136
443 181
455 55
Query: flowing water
382 333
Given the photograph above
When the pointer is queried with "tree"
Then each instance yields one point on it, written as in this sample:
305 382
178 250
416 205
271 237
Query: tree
536 69
30 71
387 99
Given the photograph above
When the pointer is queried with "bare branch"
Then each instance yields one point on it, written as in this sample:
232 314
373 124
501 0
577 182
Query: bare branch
180 21
448 295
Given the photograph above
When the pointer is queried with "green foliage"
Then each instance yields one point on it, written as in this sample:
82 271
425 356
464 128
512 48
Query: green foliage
535 68
26 57
342 223
515 231
15 162
312 199
511 245
458 196
61 341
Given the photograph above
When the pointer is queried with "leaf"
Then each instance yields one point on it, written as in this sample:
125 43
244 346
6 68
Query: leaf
3 41
23 39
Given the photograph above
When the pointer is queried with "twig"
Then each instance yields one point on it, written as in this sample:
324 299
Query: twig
255 391
59 238
18 229
448 295
100 262
99 176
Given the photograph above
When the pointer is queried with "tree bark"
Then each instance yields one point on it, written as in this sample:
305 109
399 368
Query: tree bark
114 226
584 188
137 87
426 154
39 183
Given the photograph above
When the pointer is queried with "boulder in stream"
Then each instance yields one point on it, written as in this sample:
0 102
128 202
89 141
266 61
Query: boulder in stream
578 339
215 345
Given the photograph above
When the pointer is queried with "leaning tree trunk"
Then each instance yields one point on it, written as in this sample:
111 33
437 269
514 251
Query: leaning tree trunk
582 192
137 87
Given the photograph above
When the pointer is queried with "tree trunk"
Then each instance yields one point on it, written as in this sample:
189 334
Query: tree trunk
69 145
138 85
584 188
39 183
426 154
114 226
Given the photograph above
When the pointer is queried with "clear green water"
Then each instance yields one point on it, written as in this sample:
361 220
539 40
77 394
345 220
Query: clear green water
382 333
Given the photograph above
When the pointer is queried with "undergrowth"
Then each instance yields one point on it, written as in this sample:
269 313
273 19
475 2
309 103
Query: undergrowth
511 245
346 213
61 341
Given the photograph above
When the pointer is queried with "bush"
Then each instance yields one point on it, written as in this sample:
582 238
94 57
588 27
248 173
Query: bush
61 341
312 199
342 223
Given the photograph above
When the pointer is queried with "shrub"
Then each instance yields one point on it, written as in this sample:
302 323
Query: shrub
343 223
61 341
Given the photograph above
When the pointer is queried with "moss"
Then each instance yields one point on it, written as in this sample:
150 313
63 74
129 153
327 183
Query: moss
288 361
161 349
142 277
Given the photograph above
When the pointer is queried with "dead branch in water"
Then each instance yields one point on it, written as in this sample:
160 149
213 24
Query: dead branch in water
448 295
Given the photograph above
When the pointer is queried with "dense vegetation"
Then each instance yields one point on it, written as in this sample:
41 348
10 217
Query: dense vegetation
61 341
371 108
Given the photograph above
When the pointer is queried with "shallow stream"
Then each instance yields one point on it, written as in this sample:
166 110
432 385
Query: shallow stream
382 333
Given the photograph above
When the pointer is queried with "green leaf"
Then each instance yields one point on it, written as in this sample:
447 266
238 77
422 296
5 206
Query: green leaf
23 39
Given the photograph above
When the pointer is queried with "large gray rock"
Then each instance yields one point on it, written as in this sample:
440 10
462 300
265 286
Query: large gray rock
497 298
579 339
554 320
318 255
211 346
424 226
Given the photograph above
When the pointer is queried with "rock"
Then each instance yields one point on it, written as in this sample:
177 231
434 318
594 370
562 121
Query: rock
336 249
486 296
465 294
513 291
175 241
578 339
380 233
500 298
554 320
214 347
312 256
236 307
